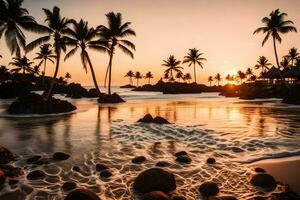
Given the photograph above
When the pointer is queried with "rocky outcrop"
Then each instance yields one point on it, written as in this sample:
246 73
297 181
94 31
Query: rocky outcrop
157 120
113 98
6 156
208 189
264 181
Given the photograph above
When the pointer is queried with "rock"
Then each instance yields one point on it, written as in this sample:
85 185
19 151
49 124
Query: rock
259 170
9 90
36 175
42 161
93 93
76 91
178 198
2 178
33 159
60 156
128 86
139 159
146 119
208 189
184 159
11 172
113 98
160 120
105 173
236 150
82 194
155 195
76 169
100 167
35 104
6 156
154 179
67 186
211 161
181 153
13 182
223 198
162 164
289 195
264 181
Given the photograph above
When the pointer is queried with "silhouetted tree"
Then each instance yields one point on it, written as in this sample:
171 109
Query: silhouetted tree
218 78
172 64
36 70
130 74
285 63
68 76
241 76
22 64
210 80
249 72
229 78
179 75
166 76
263 64
187 77
293 55
252 78
137 76
148 76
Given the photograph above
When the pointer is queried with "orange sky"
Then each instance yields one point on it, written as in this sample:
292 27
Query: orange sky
221 29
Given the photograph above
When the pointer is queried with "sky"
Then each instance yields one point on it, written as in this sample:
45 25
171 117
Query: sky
221 29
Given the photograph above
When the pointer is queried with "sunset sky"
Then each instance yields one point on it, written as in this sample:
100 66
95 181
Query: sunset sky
221 29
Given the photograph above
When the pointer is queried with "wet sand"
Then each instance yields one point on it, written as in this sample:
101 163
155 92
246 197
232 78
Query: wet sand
286 170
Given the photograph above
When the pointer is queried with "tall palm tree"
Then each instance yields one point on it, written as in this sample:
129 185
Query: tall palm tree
21 64
172 64
138 76
149 76
179 75
82 38
194 57
275 25
130 74
57 26
218 78
187 77
45 54
293 55
262 63
114 35
14 19
241 76
210 80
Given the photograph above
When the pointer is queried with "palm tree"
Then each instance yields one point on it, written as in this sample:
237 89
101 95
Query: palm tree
148 76
138 76
36 70
275 25
179 75
285 63
249 72
172 64
293 55
218 78
252 78
45 54
22 64
194 57
57 26
228 78
81 37
262 63
166 76
68 76
113 35
187 77
241 76
210 79
14 19
130 74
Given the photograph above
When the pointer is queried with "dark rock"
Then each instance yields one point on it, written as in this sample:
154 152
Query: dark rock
2 178
211 161
154 179
208 189
223 198
181 153
9 90
236 149
42 161
178 198
162 164
12 172
160 120
184 159
101 167
128 86
60 156
36 175
264 181
259 198
105 173
13 182
93 93
146 119
35 104
289 195
76 91
33 159
259 170
67 186
6 156
76 168
139 159
155 195
113 98
82 194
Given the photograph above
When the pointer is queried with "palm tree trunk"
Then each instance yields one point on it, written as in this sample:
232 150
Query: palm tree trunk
49 93
109 71
43 77
93 74
195 73
278 66
137 82
149 81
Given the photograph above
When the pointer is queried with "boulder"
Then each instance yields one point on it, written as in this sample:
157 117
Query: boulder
155 195
211 161
162 164
181 153
6 156
33 159
76 91
160 120
184 159
13 182
36 175
154 179
93 93
113 98
59 156
208 189
67 186
82 194
259 170
264 181
146 119
101 167
11 171
35 104
105 173
139 159
76 169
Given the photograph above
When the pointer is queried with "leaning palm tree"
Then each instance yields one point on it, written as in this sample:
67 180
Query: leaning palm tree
22 64
130 74
293 55
114 35
263 64
218 78
138 76
275 25
45 54
57 26
149 76
210 80
187 77
172 64
14 19
194 57
81 37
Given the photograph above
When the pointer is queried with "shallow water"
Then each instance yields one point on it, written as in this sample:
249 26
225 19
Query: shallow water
233 131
